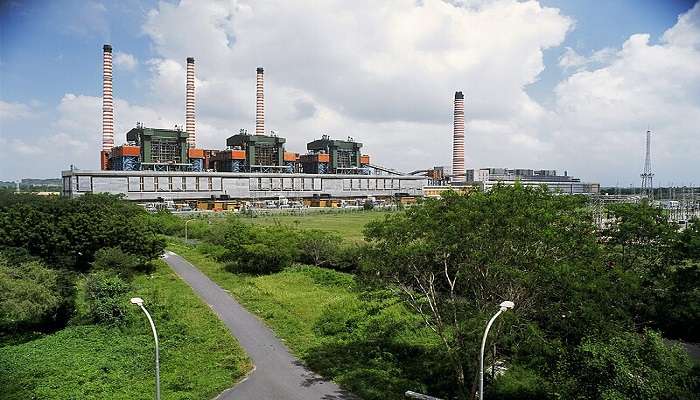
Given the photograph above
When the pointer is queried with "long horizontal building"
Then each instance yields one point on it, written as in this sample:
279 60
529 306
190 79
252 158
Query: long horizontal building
177 185
490 177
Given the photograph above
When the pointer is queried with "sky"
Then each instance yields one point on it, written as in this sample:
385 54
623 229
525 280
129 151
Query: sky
570 85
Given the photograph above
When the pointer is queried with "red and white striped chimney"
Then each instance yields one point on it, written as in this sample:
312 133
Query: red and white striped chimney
259 103
107 100
458 139
189 104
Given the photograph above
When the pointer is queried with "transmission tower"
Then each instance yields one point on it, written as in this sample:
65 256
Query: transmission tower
648 176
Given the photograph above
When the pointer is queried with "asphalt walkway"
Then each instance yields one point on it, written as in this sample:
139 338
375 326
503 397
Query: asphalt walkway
277 375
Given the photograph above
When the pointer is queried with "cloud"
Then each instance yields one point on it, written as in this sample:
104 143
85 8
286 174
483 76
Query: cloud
385 73
125 60
601 114
14 111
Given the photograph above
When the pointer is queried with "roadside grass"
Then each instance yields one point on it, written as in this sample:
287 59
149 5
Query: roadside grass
375 349
198 356
290 301
348 224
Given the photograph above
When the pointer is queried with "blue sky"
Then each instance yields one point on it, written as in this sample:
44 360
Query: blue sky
49 49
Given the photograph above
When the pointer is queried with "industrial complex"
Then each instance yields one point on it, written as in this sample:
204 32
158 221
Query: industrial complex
156 164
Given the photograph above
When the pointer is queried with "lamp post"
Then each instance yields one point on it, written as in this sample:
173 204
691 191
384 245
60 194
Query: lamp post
504 306
186 222
139 302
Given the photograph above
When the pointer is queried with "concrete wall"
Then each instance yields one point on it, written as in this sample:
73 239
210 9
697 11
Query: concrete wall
150 185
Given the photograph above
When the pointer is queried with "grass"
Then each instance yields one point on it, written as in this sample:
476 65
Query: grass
290 301
348 224
198 356
374 348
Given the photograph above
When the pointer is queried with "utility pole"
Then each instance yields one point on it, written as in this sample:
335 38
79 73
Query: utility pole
647 176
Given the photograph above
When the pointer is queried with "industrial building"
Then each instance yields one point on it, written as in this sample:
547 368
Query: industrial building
156 164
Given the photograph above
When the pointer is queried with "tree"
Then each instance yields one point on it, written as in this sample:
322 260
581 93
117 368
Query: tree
318 247
630 366
29 295
68 232
454 259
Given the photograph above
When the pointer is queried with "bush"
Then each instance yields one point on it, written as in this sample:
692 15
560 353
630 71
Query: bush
30 295
318 247
253 249
268 250
632 366
113 259
105 297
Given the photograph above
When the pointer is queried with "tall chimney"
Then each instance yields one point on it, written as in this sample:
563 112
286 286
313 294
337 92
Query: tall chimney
259 104
189 104
107 101
458 139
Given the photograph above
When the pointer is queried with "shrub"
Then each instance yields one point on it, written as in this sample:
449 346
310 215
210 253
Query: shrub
257 250
632 366
348 257
113 259
105 297
270 251
30 295
318 247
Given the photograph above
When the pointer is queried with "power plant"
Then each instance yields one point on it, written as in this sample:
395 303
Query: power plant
156 164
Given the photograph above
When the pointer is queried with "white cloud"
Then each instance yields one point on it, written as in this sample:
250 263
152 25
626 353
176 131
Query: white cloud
601 114
14 111
125 60
385 73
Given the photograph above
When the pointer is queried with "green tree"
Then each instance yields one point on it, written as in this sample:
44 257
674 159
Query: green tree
68 232
630 366
29 295
454 259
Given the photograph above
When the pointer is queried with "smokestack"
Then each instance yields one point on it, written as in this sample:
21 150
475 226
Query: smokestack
458 139
259 104
189 104
107 101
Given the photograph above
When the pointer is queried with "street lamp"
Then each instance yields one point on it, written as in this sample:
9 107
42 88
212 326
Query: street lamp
504 306
186 222
139 302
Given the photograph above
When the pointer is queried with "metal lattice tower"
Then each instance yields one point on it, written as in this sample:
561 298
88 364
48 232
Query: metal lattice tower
647 176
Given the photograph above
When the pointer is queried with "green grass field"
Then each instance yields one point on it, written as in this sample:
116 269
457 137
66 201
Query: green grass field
378 357
348 224
199 358
289 301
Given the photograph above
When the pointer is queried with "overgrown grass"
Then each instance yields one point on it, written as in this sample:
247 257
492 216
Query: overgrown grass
348 224
199 358
290 301
374 348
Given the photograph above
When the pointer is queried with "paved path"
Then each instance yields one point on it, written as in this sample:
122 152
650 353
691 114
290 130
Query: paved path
277 374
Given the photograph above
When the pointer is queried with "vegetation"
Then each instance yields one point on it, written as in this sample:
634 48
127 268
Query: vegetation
30 294
577 293
67 270
369 343
199 358
430 277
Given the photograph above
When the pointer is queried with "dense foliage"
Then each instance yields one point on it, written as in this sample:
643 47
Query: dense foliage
30 294
259 249
105 297
576 292
67 233
47 243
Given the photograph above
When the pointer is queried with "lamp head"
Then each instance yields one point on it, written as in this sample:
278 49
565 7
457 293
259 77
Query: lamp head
137 300
507 305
